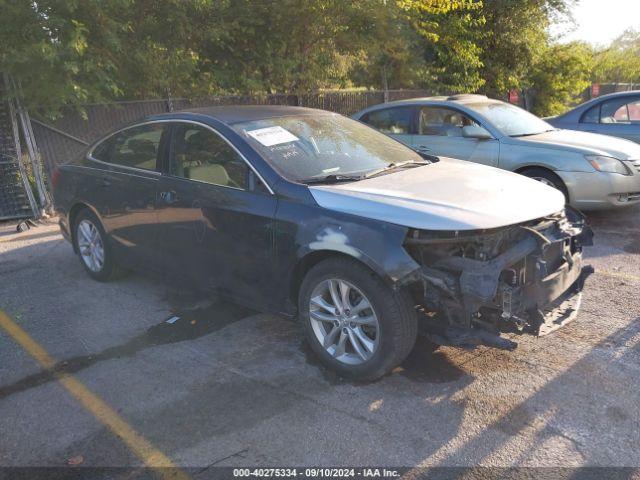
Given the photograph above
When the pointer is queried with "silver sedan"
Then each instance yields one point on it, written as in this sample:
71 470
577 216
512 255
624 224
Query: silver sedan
593 171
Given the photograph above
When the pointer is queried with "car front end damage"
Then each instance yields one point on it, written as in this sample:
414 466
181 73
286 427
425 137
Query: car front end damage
474 285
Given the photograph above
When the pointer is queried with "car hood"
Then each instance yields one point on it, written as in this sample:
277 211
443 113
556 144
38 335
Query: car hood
447 195
584 142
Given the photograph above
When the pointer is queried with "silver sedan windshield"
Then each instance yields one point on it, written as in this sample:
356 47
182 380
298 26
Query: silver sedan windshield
511 120
307 147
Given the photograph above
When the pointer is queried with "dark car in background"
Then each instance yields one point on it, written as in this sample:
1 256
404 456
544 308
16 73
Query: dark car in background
304 212
616 114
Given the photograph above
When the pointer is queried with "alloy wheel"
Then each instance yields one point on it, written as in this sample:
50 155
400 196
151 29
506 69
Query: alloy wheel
546 181
90 245
344 321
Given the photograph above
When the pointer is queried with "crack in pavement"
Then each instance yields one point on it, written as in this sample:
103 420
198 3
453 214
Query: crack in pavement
233 455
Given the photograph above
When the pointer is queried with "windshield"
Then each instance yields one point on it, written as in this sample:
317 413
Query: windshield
511 120
307 147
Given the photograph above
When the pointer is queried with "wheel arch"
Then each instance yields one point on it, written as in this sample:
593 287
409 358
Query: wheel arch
531 165
314 257
551 171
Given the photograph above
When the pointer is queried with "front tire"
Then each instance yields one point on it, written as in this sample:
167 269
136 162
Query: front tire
90 241
355 323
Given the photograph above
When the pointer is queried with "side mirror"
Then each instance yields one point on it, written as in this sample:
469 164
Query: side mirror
475 131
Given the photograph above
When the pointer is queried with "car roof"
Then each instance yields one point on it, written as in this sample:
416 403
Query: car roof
576 112
231 114
460 99
608 96
618 94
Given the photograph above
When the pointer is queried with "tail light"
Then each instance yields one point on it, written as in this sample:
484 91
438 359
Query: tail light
55 177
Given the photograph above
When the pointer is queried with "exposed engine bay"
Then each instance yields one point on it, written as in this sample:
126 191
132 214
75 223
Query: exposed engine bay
524 278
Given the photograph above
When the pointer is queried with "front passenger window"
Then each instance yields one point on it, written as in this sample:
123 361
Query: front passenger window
198 153
620 110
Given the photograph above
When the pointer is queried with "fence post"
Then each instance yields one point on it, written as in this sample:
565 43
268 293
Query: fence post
169 101
385 83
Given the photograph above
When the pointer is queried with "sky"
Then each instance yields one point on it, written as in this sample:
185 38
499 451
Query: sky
600 21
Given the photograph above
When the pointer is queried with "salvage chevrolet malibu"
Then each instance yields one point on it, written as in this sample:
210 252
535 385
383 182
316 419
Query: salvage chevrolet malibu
307 213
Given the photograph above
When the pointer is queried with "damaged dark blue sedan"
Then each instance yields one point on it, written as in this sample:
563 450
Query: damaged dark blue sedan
307 213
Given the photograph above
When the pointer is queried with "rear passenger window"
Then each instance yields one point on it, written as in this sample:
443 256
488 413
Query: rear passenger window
391 120
137 147
198 153
443 122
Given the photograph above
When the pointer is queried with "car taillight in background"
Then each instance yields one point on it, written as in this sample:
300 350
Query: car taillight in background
55 177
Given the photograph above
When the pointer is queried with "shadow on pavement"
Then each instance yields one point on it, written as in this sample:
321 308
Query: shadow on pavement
184 324
553 410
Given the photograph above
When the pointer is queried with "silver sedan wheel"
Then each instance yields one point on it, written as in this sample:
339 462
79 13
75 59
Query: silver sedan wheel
90 246
344 321
546 181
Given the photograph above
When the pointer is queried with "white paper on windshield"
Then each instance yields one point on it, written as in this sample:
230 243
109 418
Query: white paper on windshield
272 136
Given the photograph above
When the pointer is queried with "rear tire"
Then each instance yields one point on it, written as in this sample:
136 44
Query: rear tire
94 251
377 337
548 178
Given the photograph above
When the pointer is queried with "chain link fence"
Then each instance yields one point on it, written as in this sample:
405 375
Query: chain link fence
63 139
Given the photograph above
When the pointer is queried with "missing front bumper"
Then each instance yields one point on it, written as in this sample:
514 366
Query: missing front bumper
540 322
562 294
532 287
562 310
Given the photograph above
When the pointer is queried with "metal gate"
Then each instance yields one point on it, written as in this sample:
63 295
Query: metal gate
16 196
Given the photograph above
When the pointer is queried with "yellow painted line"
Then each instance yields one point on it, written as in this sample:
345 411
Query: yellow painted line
146 452
626 276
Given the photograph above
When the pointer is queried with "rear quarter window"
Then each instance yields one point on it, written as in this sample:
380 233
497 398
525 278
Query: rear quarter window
592 115
137 147
396 121
101 151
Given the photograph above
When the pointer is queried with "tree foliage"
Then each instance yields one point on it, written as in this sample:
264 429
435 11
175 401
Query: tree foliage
70 52
620 61
559 76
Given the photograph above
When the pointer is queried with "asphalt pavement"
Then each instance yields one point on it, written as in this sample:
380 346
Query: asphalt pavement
137 370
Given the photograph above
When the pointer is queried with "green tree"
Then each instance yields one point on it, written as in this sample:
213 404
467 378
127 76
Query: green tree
448 51
77 51
620 61
559 76
515 39
69 52
289 45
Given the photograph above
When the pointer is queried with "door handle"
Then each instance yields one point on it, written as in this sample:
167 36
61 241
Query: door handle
169 196
105 183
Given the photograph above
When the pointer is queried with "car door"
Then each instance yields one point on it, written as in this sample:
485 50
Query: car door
619 117
397 122
123 189
440 133
216 215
